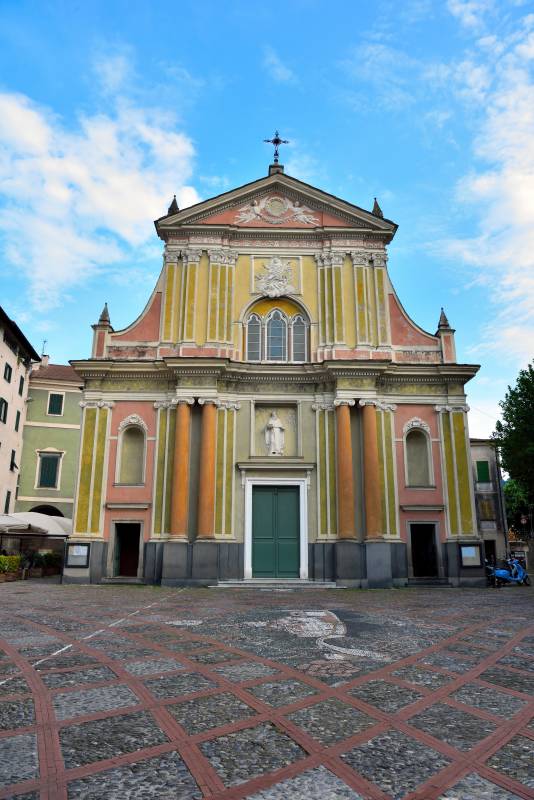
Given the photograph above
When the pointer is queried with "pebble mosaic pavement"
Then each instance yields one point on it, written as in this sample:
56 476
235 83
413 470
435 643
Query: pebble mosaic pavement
145 692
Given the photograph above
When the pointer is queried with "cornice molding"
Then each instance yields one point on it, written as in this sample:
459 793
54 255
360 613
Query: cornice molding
449 409
96 404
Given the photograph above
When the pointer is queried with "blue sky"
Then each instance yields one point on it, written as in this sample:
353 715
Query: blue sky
108 108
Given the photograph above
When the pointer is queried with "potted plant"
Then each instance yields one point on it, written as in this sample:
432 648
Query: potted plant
13 570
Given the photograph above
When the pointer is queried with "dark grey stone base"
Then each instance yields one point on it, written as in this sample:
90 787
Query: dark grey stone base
98 554
196 563
458 575
374 565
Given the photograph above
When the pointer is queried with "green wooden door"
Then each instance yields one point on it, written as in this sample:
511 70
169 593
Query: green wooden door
275 532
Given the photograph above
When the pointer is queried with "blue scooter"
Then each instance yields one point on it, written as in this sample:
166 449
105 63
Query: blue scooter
514 572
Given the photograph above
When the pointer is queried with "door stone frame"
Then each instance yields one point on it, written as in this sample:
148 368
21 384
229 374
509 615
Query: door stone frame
113 545
302 483
437 542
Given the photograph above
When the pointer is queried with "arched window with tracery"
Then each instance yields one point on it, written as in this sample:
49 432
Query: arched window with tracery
277 336
299 338
132 456
254 338
417 453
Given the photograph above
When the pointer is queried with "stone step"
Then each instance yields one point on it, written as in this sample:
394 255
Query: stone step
124 580
272 584
428 582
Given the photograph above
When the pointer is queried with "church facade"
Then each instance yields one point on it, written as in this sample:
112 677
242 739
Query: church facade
274 413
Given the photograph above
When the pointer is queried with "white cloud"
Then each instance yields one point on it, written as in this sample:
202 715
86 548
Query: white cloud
502 192
276 68
470 13
79 200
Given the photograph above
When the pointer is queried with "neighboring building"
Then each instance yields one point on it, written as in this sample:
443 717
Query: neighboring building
51 441
274 412
489 500
16 356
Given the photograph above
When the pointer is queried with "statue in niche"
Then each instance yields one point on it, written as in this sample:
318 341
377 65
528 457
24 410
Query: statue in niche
274 435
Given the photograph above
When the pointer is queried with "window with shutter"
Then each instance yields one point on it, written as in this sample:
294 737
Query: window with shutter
3 410
483 473
55 404
48 470
8 372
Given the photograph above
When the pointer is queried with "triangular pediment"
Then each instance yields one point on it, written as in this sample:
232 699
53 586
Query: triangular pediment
276 202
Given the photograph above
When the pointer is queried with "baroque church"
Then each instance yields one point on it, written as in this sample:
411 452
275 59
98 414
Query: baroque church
274 413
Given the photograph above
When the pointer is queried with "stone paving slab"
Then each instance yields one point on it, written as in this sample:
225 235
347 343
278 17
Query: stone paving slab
498 703
196 664
422 677
516 760
244 671
386 696
153 666
18 759
510 680
91 701
238 757
61 680
165 777
331 721
203 713
14 686
108 738
455 727
16 714
314 784
178 685
395 762
281 693
473 787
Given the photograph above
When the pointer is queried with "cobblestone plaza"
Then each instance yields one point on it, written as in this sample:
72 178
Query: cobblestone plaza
141 692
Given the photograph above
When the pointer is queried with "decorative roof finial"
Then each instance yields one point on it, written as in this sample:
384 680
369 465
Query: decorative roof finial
443 321
276 141
173 208
377 211
104 316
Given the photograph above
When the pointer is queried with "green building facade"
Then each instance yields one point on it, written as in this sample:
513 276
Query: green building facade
51 441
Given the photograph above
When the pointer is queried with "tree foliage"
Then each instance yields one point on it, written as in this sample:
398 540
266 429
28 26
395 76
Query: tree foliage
515 434
516 504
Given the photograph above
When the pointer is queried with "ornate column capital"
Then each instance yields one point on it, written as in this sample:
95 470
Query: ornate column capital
322 406
360 258
191 256
381 405
342 401
230 405
171 254
202 401
221 256
447 408
190 401
380 258
96 403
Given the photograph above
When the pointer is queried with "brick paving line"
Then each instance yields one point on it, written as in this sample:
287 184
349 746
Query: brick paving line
84 638
196 665
50 760
372 710
269 715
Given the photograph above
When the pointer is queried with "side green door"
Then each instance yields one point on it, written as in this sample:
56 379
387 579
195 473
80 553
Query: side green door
275 532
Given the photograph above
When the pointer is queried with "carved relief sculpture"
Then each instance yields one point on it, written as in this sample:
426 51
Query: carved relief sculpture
274 435
275 281
276 210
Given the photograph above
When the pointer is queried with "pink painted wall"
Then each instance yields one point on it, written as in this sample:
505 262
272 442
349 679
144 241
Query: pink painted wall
403 330
430 496
146 328
131 494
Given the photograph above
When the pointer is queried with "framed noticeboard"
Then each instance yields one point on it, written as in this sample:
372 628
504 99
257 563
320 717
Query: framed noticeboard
470 555
77 555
